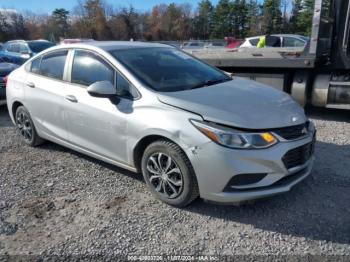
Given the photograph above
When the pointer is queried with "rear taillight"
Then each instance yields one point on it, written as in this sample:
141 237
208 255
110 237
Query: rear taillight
5 80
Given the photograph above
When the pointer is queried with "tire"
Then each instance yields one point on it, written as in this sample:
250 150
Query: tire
174 182
26 128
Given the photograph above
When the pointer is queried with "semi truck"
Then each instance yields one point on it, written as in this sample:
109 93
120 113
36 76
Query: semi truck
317 74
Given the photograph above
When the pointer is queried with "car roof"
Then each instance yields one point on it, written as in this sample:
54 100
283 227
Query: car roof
115 45
26 41
106 46
290 35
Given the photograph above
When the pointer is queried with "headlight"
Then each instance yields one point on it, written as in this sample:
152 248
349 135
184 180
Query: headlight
233 138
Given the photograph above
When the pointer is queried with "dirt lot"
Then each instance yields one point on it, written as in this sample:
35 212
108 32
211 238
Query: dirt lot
54 201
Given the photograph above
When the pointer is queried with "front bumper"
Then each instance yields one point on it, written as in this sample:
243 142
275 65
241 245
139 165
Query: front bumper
216 166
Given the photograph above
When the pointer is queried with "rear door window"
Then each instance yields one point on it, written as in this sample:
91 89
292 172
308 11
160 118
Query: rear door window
254 41
52 65
89 68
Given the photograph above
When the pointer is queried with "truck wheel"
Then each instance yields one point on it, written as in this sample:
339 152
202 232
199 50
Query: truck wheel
26 128
169 174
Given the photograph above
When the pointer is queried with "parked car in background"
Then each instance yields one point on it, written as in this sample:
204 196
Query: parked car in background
19 51
286 40
190 128
215 45
192 45
75 40
171 43
232 42
5 69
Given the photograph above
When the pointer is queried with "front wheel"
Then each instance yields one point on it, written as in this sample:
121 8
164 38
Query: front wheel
26 128
169 174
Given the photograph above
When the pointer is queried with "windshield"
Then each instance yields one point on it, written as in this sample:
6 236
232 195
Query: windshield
168 69
37 47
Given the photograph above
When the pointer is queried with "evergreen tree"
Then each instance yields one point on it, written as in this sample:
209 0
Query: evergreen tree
58 24
254 27
296 10
203 21
240 16
272 16
304 20
222 19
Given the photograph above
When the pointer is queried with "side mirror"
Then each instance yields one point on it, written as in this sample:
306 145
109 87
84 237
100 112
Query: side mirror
25 54
228 74
102 89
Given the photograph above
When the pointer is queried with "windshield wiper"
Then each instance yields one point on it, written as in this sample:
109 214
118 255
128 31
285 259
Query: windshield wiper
210 82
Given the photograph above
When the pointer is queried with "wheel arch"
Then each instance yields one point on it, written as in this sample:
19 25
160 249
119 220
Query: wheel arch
16 104
140 147
142 144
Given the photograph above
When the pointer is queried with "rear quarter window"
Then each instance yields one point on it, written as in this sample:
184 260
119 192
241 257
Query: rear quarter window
34 66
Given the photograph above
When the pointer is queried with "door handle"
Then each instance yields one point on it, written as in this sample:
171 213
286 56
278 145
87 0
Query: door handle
71 98
31 84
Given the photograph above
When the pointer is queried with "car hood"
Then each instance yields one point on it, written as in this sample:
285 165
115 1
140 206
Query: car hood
239 103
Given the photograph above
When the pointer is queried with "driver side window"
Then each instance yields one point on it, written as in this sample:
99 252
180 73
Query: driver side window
89 68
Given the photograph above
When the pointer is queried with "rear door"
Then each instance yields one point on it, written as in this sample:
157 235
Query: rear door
45 90
95 124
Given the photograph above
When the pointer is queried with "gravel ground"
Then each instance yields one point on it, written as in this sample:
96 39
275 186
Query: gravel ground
54 201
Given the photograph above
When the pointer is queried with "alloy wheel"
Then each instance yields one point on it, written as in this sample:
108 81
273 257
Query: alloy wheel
25 126
164 175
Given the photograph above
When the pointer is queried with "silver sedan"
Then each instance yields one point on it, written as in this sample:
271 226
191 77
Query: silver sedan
191 129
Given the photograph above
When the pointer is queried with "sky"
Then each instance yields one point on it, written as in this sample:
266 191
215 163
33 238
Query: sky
47 6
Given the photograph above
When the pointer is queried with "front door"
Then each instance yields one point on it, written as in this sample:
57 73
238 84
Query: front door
95 124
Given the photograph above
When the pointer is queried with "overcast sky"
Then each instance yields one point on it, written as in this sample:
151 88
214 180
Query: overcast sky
46 6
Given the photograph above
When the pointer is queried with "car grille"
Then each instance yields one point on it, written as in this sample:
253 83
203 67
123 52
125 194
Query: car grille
298 156
293 132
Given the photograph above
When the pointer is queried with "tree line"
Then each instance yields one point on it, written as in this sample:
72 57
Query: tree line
97 19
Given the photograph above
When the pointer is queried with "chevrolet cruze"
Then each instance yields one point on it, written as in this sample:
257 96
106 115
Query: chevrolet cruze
191 129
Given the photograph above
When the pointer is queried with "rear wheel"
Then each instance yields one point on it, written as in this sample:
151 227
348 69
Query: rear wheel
169 173
26 127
